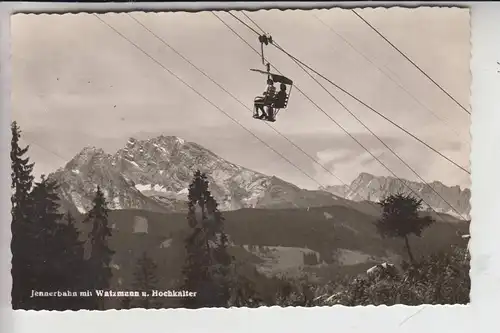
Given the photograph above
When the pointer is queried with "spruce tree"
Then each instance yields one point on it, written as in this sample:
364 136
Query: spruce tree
100 254
400 218
207 266
58 261
21 245
47 255
45 219
145 279
22 177
71 266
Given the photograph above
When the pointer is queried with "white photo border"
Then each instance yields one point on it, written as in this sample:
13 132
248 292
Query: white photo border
479 315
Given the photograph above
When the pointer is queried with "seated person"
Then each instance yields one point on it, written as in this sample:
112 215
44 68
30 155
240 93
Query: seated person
280 98
278 102
265 100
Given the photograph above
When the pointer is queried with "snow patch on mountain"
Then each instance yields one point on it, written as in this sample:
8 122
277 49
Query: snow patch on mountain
150 187
77 200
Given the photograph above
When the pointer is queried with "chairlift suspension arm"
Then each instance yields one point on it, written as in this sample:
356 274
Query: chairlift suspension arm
263 39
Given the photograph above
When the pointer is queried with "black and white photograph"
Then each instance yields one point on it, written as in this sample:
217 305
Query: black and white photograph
292 158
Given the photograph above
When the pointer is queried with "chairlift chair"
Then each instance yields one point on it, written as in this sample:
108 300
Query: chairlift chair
274 105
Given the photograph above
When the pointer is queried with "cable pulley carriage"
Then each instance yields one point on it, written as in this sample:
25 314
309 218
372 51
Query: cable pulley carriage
271 102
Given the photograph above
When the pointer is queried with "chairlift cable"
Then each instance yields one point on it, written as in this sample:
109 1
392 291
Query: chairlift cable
375 135
400 85
347 132
32 143
242 22
163 41
411 61
254 23
257 52
206 99
364 104
377 112
381 141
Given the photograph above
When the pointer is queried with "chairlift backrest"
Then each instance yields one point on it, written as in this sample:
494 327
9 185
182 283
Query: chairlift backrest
281 99
286 102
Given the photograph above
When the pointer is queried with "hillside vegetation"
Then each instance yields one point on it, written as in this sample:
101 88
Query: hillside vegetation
330 231
248 257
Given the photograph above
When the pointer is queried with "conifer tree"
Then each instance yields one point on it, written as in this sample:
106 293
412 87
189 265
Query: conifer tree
21 247
145 279
58 261
400 218
71 263
22 177
100 254
207 264
45 219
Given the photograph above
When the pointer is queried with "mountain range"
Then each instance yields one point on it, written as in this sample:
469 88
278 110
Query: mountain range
435 195
155 174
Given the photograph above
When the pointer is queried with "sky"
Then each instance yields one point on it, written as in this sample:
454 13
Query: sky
77 82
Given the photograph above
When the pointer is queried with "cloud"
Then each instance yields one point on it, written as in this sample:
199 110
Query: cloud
348 159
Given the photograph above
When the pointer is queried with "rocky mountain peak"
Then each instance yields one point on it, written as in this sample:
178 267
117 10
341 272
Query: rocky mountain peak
155 174
151 148
90 151
369 187
171 139
88 155
364 176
